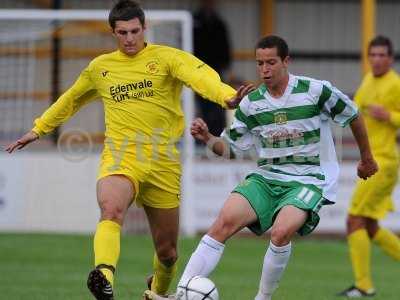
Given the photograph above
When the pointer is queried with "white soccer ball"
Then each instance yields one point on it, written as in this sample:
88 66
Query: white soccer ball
197 288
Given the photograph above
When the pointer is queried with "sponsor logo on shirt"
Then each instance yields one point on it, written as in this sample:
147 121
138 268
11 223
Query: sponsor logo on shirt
133 90
282 137
104 73
152 67
282 134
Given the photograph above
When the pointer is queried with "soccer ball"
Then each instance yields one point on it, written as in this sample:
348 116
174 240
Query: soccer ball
197 288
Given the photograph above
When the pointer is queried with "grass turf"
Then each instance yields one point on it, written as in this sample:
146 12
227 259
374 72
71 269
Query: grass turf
40 267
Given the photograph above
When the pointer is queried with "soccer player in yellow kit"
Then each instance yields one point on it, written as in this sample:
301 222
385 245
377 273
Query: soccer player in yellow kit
379 101
140 85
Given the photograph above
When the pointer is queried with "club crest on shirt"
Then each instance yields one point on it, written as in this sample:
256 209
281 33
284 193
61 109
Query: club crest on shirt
152 67
280 117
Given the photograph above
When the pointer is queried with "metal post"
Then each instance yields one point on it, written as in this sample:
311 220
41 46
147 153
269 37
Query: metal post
55 64
368 25
267 13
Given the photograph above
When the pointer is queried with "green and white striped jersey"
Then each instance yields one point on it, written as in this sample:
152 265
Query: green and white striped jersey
291 134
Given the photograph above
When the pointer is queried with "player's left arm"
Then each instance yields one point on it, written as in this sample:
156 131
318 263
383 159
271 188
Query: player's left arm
343 111
204 80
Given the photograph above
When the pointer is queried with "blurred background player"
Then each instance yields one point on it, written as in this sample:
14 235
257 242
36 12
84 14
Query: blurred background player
378 99
286 121
140 85
211 45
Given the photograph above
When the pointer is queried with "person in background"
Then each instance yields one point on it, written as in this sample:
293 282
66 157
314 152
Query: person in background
378 99
211 45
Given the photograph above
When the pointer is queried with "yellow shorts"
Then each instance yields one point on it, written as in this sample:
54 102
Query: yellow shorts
372 198
155 176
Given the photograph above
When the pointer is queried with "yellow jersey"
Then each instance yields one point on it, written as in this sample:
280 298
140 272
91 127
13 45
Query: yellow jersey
141 94
384 91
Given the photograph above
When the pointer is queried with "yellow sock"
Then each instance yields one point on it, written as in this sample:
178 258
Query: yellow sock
360 255
163 276
389 242
107 246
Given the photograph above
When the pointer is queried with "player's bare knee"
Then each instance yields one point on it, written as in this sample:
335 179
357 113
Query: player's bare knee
111 211
170 261
349 223
354 223
222 229
372 227
167 255
280 236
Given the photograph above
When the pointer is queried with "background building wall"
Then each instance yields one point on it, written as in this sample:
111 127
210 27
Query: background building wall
309 26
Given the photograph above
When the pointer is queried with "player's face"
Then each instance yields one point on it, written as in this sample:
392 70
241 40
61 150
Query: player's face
380 60
130 36
271 68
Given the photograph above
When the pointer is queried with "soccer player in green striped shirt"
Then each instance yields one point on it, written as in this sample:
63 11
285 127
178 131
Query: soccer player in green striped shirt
286 121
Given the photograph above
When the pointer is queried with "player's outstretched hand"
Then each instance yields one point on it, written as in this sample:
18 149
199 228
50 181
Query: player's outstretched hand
199 130
242 91
366 168
22 142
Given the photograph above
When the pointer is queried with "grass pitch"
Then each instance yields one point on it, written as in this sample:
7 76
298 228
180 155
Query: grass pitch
40 267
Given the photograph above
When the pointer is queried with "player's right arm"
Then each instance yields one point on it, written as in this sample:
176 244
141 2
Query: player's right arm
80 93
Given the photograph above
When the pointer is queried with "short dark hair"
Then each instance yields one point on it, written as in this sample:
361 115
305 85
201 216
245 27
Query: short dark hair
274 41
125 10
384 41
